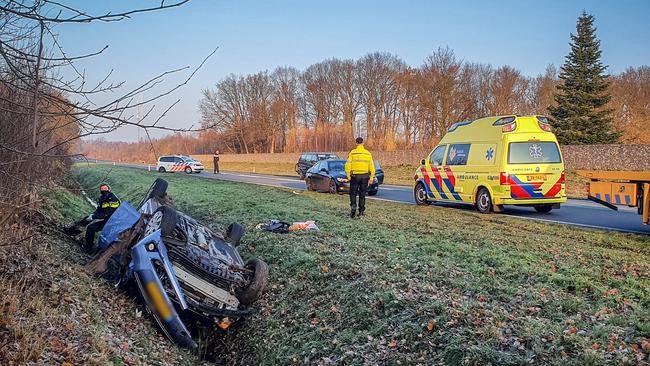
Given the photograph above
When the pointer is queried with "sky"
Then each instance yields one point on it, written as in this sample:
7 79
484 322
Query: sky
253 36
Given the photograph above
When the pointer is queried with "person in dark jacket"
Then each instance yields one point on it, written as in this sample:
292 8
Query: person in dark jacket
106 205
215 160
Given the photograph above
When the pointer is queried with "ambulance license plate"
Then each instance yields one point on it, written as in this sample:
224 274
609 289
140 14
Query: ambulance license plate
536 178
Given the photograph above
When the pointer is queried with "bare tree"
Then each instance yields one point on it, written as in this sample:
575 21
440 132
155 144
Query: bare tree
43 112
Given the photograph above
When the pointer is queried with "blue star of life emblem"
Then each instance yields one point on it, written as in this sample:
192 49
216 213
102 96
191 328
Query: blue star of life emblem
489 154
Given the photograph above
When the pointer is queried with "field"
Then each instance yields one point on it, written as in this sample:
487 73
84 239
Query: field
427 285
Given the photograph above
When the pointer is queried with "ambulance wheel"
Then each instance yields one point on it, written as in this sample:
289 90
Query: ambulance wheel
483 201
161 169
188 170
420 194
544 208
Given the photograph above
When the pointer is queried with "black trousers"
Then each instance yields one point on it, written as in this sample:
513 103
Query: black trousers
358 186
216 165
91 230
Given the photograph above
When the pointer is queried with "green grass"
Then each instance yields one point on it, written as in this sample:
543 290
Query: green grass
499 290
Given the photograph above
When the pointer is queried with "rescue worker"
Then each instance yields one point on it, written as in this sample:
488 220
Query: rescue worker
215 161
360 171
106 205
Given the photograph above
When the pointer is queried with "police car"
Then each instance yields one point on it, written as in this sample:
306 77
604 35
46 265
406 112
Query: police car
179 163
492 162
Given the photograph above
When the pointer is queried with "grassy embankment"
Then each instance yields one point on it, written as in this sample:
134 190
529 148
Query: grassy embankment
52 313
421 284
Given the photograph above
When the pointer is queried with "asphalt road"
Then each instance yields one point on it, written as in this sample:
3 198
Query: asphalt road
575 212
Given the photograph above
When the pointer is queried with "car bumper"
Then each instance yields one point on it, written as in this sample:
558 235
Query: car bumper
344 187
529 202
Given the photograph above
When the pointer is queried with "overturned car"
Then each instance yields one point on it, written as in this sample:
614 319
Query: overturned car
185 272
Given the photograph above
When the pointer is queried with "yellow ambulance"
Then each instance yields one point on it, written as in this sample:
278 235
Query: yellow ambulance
492 162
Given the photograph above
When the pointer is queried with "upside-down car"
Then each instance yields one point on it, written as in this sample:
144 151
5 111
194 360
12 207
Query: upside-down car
185 271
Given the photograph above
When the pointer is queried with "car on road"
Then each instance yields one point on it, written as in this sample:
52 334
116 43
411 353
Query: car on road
492 162
329 176
307 160
190 276
178 163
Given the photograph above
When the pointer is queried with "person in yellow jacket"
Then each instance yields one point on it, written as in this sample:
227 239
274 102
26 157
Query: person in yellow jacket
360 170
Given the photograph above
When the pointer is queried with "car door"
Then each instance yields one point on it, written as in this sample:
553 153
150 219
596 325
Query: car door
456 172
320 176
436 172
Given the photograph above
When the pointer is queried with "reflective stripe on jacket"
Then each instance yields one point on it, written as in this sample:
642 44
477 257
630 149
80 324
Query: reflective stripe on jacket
106 205
360 162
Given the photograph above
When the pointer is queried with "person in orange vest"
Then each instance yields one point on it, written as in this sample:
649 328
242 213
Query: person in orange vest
360 171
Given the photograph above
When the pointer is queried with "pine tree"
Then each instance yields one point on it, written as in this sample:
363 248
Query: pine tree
581 115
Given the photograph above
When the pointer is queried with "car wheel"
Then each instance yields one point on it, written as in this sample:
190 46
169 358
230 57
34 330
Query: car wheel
259 280
188 170
420 194
161 169
332 187
544 208
235 232
158 189
483 201
373 193
308 183
301 176
164 218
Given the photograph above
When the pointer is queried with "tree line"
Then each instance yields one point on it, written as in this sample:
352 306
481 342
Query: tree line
397 106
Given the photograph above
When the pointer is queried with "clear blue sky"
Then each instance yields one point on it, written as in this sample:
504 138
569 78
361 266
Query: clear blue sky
261 35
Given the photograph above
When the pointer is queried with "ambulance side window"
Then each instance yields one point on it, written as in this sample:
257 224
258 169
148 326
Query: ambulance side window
437 155
458 154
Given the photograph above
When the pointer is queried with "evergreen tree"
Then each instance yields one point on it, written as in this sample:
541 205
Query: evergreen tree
581 115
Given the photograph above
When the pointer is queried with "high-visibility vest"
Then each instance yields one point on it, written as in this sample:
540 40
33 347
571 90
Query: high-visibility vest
360 162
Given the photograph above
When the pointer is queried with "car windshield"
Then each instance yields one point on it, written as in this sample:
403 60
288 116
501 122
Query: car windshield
533 152
190 160
337 165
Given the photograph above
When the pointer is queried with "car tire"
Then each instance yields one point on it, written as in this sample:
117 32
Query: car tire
483 201
373 193
158 189
188 170
164 218
235 232
161 169
308 183
332 188
420 195
258 282
543 208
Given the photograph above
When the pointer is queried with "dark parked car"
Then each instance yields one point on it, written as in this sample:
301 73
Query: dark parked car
329 176
307 160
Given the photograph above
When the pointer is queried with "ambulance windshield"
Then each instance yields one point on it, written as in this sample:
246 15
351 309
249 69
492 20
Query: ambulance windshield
533 152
